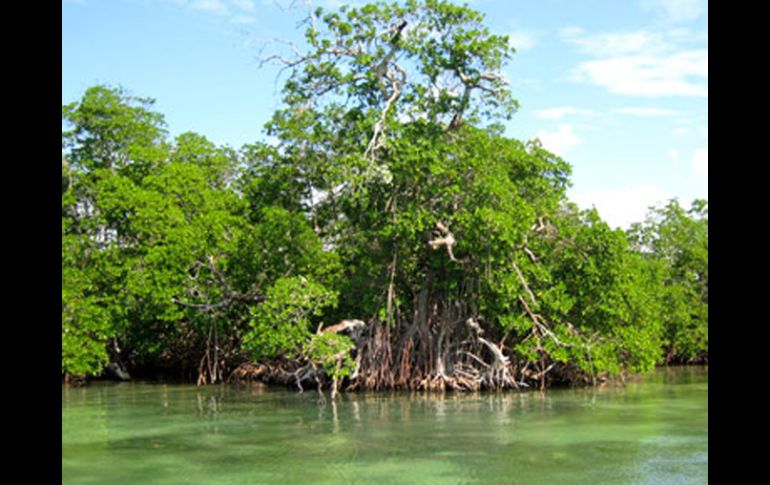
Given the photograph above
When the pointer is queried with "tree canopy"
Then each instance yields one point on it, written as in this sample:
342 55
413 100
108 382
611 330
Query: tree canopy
391 202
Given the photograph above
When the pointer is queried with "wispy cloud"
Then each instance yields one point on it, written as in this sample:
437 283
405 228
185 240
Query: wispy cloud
327 4
674 154
622 206
676 10
245 5
646 112
234 11
559 141
614 43
561 112
243 19
642 62
217 7
700 164
648 76
521 40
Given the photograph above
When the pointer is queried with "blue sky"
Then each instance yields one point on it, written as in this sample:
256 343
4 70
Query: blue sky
618 88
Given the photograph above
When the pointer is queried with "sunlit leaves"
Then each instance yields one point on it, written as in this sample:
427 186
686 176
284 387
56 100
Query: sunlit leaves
332 352
281 325
677 239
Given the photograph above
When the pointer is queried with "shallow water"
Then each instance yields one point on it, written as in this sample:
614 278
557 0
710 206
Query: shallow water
653 430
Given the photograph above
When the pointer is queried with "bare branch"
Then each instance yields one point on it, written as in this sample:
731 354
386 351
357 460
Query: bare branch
530 254
524 282
475 358
447 240
381 71
344 326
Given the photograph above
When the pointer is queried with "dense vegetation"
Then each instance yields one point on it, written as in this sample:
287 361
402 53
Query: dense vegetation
391 203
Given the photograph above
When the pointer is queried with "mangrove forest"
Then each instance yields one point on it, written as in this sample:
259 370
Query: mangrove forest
385 233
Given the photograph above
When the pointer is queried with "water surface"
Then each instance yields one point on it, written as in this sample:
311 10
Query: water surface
652 430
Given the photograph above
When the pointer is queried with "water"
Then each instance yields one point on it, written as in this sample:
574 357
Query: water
653 430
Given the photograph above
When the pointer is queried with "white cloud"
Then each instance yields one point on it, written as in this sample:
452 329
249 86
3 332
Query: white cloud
560 141
286 5
247 5
700 164
676 10
243 19
615 43
674 154
691 126
520 40
332 4
211 6
648 75
571 31
234 11
646 112
622 206
643 62
562 111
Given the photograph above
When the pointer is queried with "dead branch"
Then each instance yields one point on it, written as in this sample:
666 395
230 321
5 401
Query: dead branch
477 359
500 359
448 240
474 325
530 254
524 282
351 326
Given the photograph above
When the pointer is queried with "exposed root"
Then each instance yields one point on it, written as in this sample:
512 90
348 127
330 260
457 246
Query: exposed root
443 347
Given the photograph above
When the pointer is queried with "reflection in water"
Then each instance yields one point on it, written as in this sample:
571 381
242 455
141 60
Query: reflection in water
653 429
356 411
439 407
335 419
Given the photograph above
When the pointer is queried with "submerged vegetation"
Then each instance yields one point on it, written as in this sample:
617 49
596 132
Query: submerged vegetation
390 237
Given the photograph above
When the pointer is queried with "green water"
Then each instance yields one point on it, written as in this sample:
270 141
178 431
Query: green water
653 430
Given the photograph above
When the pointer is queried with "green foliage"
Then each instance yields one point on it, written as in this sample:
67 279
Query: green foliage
439 39
388 142
115 131
599 300
677 240
157 251
113 142
86 323
332 352
281 325
282 243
